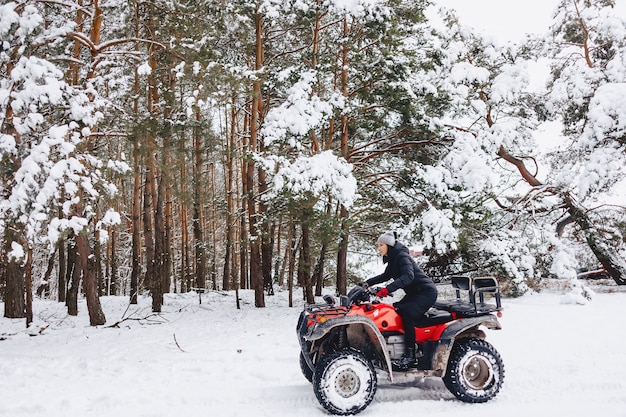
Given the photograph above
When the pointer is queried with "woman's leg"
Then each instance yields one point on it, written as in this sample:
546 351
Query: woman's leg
410 309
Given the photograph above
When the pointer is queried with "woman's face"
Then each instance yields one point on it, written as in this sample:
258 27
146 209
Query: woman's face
382 248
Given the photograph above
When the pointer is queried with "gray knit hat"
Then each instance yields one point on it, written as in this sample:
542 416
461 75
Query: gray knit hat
389 238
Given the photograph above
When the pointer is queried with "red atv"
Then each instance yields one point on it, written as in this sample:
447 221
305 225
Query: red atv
344 346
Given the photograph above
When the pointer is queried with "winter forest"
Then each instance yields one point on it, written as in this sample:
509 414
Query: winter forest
149 147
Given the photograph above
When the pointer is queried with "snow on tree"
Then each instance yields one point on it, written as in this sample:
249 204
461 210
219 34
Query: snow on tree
50 181
588 53
313 177
495 108
588 56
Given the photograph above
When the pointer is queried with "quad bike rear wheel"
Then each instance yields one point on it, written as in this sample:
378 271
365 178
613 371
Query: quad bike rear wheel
304 367
475 371
344 382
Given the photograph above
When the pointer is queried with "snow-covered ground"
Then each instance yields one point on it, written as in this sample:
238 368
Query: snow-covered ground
212 359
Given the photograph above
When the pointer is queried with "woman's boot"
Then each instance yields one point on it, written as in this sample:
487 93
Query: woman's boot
406 361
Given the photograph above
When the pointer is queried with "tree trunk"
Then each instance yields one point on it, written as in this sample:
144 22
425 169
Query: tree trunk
198 201
185 270
136 224
165 200
159 240
62 278
266 232
227 278
168 263
266 257
615 266
87 264
244 271
112 285
148 233
97 267
74 281
152 211
14 303
318 270
293 250
43 289
29 287
256 272
212 226
342 254
73 69
304 264
135 209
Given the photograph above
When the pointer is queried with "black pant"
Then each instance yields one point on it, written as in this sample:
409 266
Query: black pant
411 308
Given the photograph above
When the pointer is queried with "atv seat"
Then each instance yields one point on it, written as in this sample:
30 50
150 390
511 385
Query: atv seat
469 306
433 317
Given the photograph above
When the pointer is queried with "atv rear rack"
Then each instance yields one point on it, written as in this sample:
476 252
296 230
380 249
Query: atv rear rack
322 312
469 306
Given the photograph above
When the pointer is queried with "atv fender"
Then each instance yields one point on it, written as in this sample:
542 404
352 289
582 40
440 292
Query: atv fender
467 327
362 335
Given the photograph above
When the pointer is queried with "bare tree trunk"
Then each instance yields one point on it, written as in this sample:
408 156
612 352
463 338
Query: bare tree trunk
43 290
168 243
267 240
185 276
97 267
244 281
279 264
318 270
267 243
212 226
293 250
72 72
14 303
74 281
29 287
135 209
256 272
342 253
230 202
87 264
62 279
304 264
112 287
244 276
198 224
148 234
152 214
136 224
164 205
159 240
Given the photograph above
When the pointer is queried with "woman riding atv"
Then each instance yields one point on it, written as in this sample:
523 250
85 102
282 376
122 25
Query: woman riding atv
420 290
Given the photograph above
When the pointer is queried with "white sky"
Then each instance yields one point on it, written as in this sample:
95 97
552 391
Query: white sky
507 19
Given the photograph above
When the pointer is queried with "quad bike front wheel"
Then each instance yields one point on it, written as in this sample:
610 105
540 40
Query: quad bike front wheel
344 382
475 371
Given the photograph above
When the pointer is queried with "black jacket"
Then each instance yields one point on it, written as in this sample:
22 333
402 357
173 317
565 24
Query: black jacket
404 271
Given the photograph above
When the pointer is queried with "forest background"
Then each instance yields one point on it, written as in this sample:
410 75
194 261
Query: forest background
174 146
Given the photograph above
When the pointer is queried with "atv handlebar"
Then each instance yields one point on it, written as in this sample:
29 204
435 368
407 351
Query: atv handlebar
358 294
